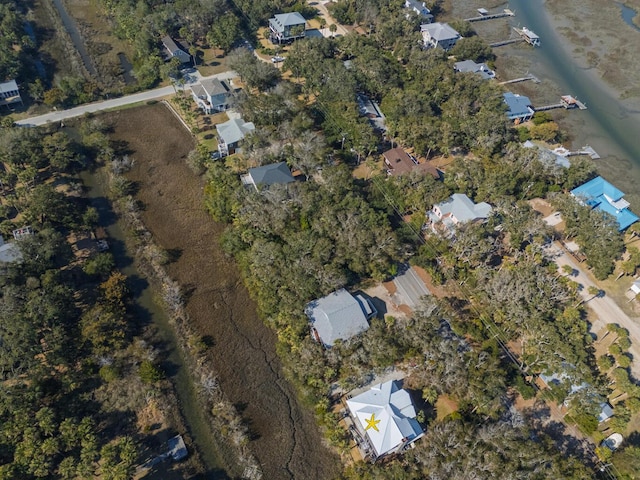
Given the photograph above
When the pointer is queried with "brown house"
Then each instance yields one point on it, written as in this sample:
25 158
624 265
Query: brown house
399 162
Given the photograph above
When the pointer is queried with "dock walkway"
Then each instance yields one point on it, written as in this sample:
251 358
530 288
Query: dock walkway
505 13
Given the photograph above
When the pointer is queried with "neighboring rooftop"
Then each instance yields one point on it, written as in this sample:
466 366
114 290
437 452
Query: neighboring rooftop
234 130
600 194
338 316
271 174
386 415
400 162
518 106
9 252
9 87
440 31
213 86
461 209
469 66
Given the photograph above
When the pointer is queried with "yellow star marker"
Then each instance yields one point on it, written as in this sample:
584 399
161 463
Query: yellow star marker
372 422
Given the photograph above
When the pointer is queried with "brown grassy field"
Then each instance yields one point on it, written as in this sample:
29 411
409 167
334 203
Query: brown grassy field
286 440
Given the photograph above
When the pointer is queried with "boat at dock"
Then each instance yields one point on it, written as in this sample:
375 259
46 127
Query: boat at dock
528 36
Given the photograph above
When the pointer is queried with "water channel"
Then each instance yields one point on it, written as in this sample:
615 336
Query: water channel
148 312
628 14
610 125
76 37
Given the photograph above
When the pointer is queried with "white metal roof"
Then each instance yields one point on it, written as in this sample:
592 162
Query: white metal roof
387 415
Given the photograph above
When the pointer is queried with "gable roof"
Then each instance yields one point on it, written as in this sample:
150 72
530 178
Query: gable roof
472 67
518 105
400 163
338 316
600 194
10 86
284 20
390 409
440 31
213 87
9 252
170 44
271 174
234 130
463 209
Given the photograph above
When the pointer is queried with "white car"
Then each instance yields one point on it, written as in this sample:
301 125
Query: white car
277 59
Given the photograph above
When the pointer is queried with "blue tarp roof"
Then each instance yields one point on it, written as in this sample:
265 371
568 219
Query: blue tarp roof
598 193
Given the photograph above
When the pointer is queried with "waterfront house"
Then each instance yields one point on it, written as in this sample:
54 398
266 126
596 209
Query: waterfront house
231 133
286 27
457 209
174 50
600 194
9 93
212 95
519 107
399 162
420 9
439 35
469 66
385 419
338 316
267 175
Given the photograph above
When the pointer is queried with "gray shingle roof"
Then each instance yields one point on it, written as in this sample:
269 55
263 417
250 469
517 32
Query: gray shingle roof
338 316
440 31
271 174
284 20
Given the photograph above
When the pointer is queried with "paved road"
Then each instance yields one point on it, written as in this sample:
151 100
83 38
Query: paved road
605 308
58 116
411 288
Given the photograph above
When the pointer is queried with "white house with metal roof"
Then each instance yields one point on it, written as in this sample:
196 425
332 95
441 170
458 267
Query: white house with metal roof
420 9
231 133
439 35
385 418
339 316
267 175
456 210
286 27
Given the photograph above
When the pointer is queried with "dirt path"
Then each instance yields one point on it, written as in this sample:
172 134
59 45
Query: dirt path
286 440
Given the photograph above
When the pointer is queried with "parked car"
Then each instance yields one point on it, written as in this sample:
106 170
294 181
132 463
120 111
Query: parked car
277 59
215 155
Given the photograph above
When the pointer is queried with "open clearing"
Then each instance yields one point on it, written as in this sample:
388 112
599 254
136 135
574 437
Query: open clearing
286 439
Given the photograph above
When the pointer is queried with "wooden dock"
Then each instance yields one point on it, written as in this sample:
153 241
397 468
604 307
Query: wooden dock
586 150
505 13
506 42
528 76
566 101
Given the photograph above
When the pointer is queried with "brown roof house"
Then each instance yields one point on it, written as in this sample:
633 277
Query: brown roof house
399 162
